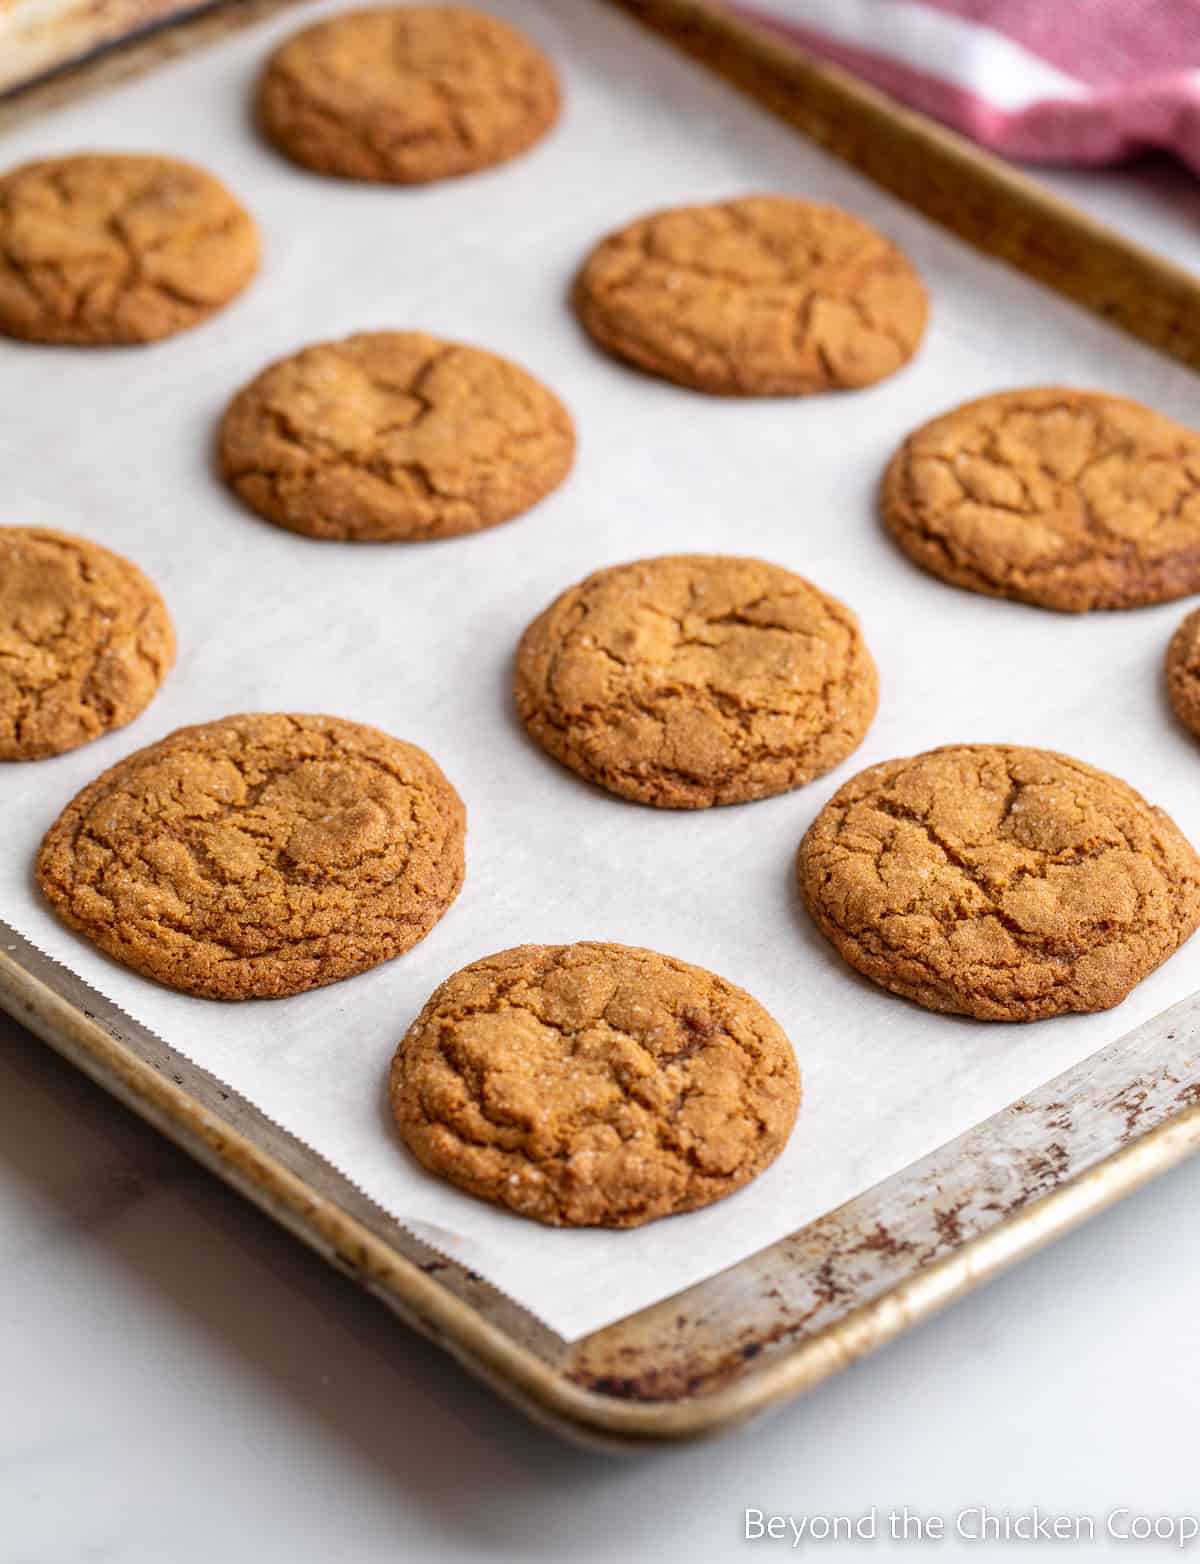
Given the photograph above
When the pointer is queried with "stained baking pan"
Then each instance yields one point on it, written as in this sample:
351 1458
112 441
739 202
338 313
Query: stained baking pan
727 1349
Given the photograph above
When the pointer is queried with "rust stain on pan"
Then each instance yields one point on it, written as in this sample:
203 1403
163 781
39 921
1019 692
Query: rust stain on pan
993 1175
1131 1102
881 1240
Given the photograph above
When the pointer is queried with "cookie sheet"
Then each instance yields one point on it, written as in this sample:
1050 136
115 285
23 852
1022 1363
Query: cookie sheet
419 639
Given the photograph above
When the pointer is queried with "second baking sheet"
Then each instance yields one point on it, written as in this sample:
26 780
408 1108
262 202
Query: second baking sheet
419 640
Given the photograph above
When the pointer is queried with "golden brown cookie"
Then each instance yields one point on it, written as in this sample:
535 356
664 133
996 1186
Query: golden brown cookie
1183 671
407 94
594 1085
1068 499
113 247
258 856
394 435
696 679
765 296
999 882
85 641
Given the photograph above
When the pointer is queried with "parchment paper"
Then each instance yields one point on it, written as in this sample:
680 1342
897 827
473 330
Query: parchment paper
419 639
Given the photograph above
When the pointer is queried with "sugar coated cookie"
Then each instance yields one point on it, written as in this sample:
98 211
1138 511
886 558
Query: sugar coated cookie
407 94
117 248
696 679
394 435
763 296
1068 499
594 1085
1005 883
1183 671
85 641
259 855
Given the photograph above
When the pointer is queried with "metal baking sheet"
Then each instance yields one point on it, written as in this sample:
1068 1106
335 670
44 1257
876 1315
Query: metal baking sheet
665 468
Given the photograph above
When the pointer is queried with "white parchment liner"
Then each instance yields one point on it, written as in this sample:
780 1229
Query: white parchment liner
117 445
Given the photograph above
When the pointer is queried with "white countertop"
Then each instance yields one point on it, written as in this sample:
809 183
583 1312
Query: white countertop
184 1382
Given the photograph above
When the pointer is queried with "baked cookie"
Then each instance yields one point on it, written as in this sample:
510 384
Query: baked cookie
407 94
394 435
1004 883
594 1085
1068 499
696 679
113 247
1183 671
258 856
765 296
85 641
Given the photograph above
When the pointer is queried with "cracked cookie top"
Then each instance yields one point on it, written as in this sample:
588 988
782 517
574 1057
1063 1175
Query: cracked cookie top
407 95
394 435
1183 671
764 296
1068 499
696 679
85 641
117 248
999 882
594 1085
258 856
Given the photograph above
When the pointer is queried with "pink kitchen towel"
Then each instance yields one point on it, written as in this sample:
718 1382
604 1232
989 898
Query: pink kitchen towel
1051 81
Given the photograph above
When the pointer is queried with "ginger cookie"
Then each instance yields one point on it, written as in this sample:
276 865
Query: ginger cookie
1067 499
117 248
696 679
85 641
1183 671
765 296
407 95
594 1085
394 435
258 856
1004 883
